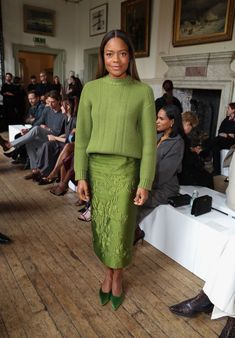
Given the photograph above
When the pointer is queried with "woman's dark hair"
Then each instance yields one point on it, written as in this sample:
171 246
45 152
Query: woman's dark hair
173 113
167 85
9 74
54 95
117 33
71 102
232 105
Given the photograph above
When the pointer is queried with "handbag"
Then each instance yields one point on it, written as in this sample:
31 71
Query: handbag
201 205
179 200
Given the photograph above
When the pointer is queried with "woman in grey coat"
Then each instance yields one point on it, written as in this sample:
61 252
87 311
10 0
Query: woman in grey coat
170 150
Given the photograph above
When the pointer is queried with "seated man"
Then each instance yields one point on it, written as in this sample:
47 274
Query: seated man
193 171
36 108
218 293
33 114
51 122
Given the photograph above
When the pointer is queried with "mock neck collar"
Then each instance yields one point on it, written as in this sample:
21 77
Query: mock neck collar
117 81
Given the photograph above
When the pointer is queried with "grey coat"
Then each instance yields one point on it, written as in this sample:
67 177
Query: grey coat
169 161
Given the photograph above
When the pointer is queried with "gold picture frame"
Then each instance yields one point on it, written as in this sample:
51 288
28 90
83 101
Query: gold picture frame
135 20
197 22
39 20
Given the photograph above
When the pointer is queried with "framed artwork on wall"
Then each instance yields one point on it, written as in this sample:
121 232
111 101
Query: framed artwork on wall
98 20
135 20
39 20
197 22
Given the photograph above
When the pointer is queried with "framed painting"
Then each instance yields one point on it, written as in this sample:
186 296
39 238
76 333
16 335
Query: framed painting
135 20
39 20
200 21
98 20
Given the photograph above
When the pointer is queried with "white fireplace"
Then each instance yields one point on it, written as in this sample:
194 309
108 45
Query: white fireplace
210 71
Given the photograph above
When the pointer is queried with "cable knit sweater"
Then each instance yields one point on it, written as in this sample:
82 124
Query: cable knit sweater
116 116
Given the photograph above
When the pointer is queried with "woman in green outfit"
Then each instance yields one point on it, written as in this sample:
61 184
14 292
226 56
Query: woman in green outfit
115 156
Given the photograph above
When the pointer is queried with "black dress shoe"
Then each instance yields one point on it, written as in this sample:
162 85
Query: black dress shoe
229 329
139 235
193 306
10 152
4 239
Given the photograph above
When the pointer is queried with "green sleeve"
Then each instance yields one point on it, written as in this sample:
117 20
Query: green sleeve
83 134
148 135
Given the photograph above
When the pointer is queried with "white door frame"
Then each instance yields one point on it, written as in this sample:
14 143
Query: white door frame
59 53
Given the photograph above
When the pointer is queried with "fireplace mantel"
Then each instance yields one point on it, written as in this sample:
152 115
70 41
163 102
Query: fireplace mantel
204 71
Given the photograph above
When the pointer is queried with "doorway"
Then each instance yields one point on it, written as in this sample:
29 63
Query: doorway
31 60
33 64
90 63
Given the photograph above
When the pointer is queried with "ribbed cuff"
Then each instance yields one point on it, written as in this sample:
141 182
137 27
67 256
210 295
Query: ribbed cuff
81 175
145 184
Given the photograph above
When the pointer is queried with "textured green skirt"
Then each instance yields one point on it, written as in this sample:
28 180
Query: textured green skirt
113 180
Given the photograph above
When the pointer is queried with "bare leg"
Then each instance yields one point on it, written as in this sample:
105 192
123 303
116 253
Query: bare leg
117 282
107 283
67 150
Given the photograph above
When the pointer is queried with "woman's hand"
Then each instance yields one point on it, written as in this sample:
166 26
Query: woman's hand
83 191
51 137
141 196
223 135
196 149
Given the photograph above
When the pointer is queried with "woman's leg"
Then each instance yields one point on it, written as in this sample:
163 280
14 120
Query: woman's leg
108 280
67 150
117 282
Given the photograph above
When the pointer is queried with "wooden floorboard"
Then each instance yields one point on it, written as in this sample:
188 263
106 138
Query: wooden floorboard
50 276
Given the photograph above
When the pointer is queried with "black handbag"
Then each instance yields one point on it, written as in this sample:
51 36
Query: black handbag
179 200
201 205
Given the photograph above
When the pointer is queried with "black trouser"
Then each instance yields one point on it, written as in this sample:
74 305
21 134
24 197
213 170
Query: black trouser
21 151
215 146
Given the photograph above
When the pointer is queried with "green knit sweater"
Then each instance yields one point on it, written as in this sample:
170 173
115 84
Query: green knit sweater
116 116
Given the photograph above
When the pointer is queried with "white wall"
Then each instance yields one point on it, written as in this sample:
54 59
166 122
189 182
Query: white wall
72 34
152 68
66 26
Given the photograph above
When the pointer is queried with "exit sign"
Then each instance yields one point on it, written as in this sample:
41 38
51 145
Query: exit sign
39 41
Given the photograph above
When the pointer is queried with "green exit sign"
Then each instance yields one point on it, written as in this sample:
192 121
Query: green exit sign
39 41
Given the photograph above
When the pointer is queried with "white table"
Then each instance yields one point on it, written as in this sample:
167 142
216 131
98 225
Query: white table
15 129
218 198
190 241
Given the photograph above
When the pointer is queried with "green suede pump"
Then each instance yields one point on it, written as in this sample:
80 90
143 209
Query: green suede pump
116 301
104 297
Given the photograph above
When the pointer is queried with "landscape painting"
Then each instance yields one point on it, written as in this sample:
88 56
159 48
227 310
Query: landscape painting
202 21
39 20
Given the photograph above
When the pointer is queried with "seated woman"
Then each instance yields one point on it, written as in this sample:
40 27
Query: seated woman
50 150
170 150
64 169
56 85
193 171
224 140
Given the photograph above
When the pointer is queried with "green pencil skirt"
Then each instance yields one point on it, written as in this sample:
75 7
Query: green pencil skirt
113 182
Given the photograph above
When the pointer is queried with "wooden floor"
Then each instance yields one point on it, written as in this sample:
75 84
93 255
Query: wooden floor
50 277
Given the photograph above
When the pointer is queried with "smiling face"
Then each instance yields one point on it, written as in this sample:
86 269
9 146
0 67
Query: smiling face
163 123
33 99
116 58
